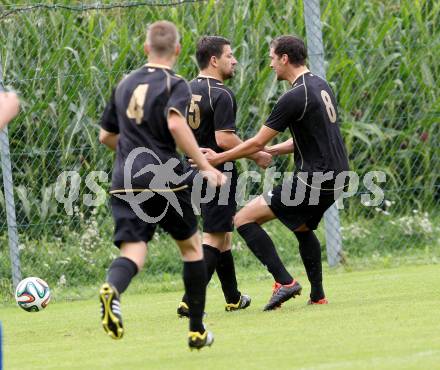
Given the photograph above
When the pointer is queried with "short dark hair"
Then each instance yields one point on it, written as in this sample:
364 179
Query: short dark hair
293 47
163 37
209 46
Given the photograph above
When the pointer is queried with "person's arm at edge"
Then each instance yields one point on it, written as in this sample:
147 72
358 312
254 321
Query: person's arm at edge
286 147
9 107
228 140
246 148
109 139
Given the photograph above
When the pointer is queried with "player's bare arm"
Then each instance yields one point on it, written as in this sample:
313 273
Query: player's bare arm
228 140
248 147
109 139
186 141
9 107
285 147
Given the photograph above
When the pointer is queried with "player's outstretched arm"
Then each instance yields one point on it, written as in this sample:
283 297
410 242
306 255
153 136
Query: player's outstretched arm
246 148
9 107
186 141
285 147
110 139
228 140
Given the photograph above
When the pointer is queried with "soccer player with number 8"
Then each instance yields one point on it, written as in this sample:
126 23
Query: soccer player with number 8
308 109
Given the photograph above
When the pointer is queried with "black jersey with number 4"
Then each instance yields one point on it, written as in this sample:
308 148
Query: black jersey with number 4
309 110
138 112
213 108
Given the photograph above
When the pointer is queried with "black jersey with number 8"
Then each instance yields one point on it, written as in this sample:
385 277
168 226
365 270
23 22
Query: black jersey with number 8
309 110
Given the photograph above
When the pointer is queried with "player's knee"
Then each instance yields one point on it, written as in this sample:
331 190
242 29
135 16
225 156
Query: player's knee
240 219
138 260
137 252
191 249
215 240
140 264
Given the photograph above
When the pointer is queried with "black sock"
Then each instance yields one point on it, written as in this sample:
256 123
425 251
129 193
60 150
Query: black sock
262 246
120 273
226 273
310 251
194 279
211 256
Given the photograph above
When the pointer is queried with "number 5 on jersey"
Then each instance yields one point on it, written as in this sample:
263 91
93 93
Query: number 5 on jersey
194 112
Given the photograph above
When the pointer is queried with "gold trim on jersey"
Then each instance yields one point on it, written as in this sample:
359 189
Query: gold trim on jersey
177 111
209 95
211 77
301 74
168 80
121 191
157 65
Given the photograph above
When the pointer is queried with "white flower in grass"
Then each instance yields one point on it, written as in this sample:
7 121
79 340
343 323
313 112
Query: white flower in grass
354 231
388 203
426 225
62 280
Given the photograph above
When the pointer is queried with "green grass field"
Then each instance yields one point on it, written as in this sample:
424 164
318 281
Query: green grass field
381 319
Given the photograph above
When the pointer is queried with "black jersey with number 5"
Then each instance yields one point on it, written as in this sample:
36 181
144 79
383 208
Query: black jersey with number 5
138 112
213 108
309 110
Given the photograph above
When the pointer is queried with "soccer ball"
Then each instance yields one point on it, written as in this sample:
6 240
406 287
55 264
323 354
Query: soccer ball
32 294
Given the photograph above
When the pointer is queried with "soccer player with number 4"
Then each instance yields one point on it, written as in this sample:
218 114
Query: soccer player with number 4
308 109
144 121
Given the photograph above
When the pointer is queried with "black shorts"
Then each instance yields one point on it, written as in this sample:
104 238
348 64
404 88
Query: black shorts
129 227
306 211
218 218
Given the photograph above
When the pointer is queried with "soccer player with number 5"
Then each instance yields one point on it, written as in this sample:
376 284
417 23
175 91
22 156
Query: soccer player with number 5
308 110
211 116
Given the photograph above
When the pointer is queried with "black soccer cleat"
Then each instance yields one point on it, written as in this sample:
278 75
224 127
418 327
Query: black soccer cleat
111 311
282 293
243 302
183 310
197 340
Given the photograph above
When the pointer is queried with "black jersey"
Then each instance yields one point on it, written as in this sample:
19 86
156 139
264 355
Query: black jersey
138 112
309 110
213 108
